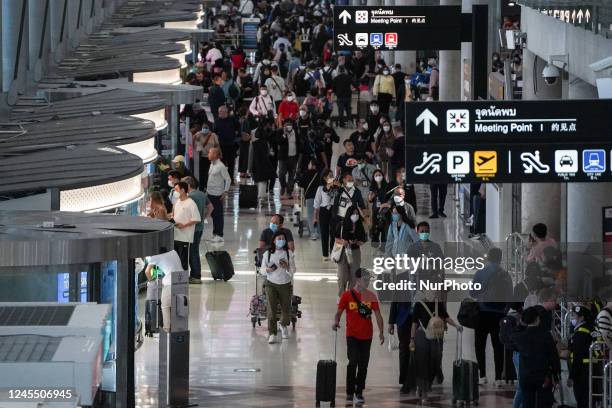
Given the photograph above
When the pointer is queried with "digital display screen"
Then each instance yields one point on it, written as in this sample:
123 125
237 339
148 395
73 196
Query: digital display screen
63 287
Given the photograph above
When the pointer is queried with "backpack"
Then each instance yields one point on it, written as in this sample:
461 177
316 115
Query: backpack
283 65
234 92
300 84
435 327
507 327
499 288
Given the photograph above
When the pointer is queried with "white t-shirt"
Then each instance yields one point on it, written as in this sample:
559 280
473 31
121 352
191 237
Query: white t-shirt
168 262
184 212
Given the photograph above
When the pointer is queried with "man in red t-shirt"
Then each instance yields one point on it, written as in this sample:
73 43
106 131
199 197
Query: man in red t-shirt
359 304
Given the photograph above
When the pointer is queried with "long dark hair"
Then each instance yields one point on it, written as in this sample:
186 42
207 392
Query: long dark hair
348 225
383 183
401 210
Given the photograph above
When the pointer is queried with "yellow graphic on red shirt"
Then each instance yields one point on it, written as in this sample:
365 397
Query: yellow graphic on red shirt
353 305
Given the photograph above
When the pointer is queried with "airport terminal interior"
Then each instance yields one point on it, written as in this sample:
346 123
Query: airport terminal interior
298 203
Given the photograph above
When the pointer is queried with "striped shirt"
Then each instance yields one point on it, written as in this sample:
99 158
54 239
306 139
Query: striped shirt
604 324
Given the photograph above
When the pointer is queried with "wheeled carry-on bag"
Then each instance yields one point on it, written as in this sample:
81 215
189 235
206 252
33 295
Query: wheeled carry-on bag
221 266
465 377
326 379
247 197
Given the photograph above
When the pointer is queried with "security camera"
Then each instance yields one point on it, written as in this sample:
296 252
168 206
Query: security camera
601 65
551 74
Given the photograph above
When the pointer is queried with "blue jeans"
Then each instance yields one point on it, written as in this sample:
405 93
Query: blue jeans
518 396
314 231
194 256
217 214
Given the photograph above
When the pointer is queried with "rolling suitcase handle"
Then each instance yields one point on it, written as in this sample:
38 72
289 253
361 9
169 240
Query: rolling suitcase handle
459 350
335 343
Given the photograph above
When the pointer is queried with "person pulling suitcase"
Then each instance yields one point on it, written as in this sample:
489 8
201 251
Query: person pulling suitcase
359 303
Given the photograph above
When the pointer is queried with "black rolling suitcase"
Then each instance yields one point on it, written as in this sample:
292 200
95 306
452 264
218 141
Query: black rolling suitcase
221 267
247 197
326 379
153 314
465 377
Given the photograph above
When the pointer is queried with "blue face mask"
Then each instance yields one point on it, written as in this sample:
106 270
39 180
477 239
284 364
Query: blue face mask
273 227
280 243
424 236
395 217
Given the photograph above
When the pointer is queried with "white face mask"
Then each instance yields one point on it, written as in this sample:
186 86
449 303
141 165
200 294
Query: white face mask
403 176
355 217
290 98
398 200
288 129
350 184
386 128
378 178
374 109
385 72
302 114
365 126
170 183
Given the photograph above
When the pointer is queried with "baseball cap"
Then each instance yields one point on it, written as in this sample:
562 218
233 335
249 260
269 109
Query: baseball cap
179 159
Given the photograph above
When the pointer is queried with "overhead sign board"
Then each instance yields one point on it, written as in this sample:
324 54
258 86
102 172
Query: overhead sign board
509 163
398 27
581 16
509 121
509 141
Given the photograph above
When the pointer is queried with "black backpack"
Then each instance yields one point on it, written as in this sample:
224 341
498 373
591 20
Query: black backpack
507 327
300 85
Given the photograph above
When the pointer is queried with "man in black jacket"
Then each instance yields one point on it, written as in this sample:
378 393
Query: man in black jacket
216 96
227 129
539 361
342 86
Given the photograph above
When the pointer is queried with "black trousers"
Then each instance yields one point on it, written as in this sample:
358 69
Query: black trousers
272 180
384 101
403 333
286 174
438 197
182 249
326 230
203 171
536 396
358 353
229 158
581 388
488 324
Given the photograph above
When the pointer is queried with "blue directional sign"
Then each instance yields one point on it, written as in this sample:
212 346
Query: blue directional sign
376 40
594 161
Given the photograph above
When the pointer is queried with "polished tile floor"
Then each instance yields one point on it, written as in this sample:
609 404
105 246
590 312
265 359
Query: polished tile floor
231 363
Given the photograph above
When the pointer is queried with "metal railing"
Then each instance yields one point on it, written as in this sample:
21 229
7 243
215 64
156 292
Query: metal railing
598 352
516 254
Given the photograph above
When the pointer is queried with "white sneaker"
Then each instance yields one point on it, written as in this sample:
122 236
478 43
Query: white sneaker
285 332
499 383
217 238
272 339
483 381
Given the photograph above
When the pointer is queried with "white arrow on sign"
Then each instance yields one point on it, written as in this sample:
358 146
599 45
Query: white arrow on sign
344 16
587 16
427 118
579 16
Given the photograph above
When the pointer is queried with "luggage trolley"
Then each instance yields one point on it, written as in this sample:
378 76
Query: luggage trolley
598 362
258 307
607 389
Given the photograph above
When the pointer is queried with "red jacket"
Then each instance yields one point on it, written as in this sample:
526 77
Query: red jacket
238 61
288 110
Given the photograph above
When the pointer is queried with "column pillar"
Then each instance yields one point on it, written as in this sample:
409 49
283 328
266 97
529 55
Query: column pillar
540 202
13 12
585 200
39 27
389 56
407 59
450 68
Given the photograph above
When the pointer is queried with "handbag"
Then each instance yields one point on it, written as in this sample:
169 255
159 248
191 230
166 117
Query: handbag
435 326
393 344
336 253
469 313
